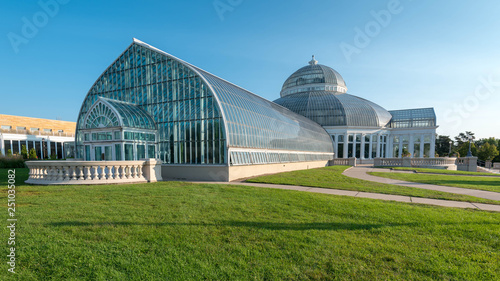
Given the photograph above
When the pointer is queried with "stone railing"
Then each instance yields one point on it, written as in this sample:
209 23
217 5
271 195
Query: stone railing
342 161
441 162
496 165
93 172
467 164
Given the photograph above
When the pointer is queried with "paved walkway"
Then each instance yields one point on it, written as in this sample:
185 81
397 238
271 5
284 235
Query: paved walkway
379 196
360 172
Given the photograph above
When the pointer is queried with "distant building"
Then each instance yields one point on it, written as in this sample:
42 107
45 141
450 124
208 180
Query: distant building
358 127
49 137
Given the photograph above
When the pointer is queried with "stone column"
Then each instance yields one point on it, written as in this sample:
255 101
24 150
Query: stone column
378 146
400 152
362 150
354 144
422 146
2 144
346 145
433 146
48 149
411 146
370 148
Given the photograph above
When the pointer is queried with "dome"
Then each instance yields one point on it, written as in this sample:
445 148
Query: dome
318 92
314 77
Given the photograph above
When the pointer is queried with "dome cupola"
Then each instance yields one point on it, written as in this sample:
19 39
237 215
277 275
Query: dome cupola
314 77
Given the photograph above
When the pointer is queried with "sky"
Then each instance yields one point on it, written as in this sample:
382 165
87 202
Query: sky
398 53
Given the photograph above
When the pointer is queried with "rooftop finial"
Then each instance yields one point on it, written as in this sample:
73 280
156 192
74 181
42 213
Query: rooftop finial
313 61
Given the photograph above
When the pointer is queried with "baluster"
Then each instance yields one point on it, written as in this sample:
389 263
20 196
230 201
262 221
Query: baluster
66 172
108 172
73 173
139 171
120 172
80 174
133 172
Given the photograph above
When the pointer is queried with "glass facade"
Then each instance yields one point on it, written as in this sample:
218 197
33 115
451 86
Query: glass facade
197 115
328 109
413 118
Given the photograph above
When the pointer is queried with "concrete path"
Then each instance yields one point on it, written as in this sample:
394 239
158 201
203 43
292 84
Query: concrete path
360 172
379 196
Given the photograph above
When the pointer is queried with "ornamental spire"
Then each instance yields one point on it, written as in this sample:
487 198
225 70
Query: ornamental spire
313 61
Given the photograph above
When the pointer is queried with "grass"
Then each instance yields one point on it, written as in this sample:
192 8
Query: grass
480 183
441 171
184 231
332 177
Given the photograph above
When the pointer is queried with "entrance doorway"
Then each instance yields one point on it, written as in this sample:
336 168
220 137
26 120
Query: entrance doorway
103 153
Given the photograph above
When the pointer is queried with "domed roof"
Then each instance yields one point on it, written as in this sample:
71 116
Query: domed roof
314 77
318 92
328 109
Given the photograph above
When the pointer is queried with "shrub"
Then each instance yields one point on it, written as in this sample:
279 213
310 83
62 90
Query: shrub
9 162
24 152
32 155
53 157
9 152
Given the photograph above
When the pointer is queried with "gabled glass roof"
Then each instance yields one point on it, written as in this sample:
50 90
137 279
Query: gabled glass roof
412 118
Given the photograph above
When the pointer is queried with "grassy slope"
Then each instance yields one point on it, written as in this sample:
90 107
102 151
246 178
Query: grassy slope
182 231
441 171
481 183
331 177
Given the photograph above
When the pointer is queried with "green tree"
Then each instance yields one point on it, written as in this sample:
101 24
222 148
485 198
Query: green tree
464 148
32 155
24 152
443 145
487 151
464 137
9 152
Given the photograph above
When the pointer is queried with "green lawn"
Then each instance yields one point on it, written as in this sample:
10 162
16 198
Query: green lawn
481 183
331 177
183 231
440 171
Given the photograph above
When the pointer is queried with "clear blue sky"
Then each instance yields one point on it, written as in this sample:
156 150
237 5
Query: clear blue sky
428 54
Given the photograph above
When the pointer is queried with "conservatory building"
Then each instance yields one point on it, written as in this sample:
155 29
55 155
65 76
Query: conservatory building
150 104
358 127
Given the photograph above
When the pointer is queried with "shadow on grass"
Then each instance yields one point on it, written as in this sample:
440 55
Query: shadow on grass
246 224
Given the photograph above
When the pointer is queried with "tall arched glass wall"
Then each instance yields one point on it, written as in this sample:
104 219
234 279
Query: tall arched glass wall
200 118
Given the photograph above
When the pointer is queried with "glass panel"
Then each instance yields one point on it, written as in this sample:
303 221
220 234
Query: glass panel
129 152
118 152
141 152
108 155
87 153
151 151
98 153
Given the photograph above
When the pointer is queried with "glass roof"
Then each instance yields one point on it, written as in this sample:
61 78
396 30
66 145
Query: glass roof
255 122
113 113
198 115
313 74
328 109
412 118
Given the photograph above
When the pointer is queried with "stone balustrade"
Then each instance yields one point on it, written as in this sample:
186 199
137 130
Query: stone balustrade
439 162
342 161
93 172
496 165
